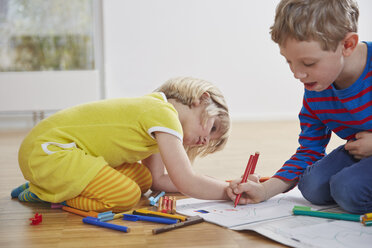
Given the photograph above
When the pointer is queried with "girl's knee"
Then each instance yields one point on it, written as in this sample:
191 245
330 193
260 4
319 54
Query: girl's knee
124 200
139 173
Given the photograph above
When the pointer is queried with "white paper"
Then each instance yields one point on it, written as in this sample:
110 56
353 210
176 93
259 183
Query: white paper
223 212
274 219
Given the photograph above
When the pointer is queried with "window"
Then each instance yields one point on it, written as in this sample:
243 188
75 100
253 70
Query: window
43 35
50 55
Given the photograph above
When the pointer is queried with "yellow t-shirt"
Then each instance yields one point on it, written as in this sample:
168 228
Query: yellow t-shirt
64 152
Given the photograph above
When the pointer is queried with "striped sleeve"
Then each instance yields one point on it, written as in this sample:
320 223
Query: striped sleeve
313 140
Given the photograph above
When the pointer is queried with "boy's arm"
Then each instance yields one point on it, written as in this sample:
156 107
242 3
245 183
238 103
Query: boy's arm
255 192
181 173
361 147
313 140
160 180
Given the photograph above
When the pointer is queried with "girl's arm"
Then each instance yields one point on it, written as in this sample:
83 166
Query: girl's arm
181 173
160 180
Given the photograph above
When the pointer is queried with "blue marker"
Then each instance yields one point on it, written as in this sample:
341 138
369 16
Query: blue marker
133 217
96 222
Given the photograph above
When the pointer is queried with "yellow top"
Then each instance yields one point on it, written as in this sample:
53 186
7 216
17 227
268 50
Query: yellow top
64 152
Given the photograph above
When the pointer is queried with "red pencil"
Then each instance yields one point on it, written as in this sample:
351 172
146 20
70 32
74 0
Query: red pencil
251 166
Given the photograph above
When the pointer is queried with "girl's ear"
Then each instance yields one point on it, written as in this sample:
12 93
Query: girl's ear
349 43
203 98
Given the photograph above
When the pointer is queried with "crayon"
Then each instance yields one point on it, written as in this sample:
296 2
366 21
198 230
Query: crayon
174 205
160 205
165 205
190 221
170 204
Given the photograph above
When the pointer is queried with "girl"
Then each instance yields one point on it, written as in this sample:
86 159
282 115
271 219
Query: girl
88 156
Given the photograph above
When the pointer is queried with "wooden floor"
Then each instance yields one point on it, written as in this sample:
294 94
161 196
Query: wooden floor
275 141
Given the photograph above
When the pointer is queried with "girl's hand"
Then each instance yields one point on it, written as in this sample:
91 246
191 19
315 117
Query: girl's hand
362 146
252 191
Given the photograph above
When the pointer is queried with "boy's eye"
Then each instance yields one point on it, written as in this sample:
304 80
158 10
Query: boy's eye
309 64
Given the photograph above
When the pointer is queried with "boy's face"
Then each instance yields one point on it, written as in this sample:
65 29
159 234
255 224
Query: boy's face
315 68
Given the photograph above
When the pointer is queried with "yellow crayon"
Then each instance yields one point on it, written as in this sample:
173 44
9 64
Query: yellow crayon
160 203
173 205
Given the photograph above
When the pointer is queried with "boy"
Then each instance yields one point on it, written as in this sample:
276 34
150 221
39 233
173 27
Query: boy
319 40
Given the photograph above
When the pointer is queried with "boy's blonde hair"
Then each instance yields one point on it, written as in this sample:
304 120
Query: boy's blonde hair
325 21
188 90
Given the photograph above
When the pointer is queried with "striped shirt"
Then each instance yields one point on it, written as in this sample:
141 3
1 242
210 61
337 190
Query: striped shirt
345 112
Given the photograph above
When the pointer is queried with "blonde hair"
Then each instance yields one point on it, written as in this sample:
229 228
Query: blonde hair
187 90
325 21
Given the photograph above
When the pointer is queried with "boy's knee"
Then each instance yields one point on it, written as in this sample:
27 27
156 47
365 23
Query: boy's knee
314 189
347 192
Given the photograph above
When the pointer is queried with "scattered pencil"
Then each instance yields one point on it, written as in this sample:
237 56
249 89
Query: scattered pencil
190 221
80 212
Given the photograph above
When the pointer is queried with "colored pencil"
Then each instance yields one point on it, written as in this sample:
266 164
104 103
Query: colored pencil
190 221
251 166
80 212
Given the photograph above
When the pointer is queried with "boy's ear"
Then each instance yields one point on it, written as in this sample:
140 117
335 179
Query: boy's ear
203 98
349 43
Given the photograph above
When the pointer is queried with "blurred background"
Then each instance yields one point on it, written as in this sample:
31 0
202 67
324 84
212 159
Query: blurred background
59 53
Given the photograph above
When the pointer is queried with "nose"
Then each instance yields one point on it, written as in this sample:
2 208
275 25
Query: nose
206 140
299 74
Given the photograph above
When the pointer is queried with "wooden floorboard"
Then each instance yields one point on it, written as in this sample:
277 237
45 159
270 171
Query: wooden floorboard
276 141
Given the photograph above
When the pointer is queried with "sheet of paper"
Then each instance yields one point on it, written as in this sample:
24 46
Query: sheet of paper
274 219
306 232
223 212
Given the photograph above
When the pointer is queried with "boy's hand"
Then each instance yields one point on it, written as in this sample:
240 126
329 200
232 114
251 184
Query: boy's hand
252 191
362 146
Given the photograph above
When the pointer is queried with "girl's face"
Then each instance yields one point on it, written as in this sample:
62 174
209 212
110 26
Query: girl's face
315 68
197 131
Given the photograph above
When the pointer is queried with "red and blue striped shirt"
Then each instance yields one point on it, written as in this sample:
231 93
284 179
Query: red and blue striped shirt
344 112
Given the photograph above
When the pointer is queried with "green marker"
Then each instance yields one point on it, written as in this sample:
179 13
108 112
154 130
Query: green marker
301 210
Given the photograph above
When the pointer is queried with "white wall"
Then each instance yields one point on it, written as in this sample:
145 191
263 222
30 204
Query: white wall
226 42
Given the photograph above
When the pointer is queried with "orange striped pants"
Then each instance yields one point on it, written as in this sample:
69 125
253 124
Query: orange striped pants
117 189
